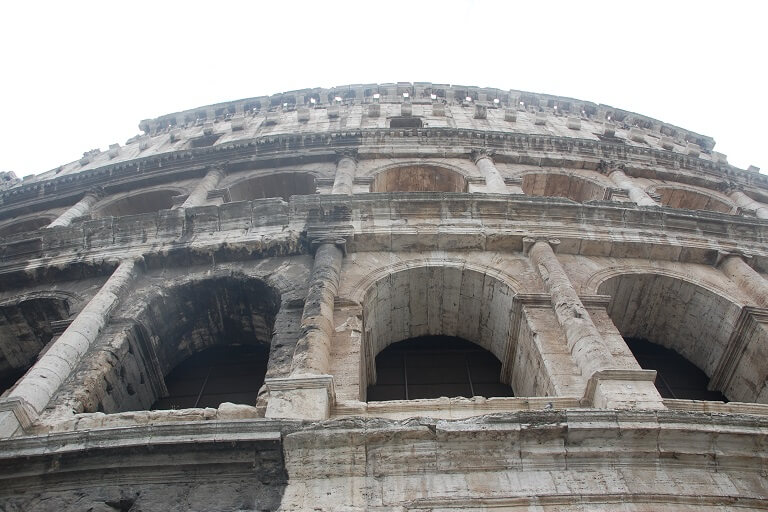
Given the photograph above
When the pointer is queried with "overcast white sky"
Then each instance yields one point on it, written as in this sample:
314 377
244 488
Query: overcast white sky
81 75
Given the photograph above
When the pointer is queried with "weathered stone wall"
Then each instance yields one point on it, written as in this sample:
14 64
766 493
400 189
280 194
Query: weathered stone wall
330 224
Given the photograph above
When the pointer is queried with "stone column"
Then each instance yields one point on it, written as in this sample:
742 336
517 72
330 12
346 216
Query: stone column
734 266
38 386
82 207
636 194
346 168
308 392
583 338
494 182
608 386
744 201
199 195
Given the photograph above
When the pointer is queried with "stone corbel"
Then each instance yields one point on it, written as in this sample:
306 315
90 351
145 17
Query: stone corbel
612 193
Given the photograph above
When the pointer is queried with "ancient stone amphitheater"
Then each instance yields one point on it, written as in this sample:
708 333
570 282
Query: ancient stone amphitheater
398 297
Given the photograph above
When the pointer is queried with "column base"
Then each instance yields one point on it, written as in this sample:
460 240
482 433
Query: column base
623 389
15 415
307 397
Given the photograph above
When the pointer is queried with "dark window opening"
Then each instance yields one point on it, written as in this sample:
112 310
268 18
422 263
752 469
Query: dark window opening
205 141
435 366
28 327
676 377
219 374
405 122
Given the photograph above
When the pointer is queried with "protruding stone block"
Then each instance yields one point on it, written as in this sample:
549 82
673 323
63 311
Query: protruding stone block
175 135
510 115
333 111
271 118
406 109
302 114
237 123
667 143
114 150
753 168
208 128
609 129
541 118
573 123
719 158
438 109
308 397
636 134
374 110
144 143
693 149
481 111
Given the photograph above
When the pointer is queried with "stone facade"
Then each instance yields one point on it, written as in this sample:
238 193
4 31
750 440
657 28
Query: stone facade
326 226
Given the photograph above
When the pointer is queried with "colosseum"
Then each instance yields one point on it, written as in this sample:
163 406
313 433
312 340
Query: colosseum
398 297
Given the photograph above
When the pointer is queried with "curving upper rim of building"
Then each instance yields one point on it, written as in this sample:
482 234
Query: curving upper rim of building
352 110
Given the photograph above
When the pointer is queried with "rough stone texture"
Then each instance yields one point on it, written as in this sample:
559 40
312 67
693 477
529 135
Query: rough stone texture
327 230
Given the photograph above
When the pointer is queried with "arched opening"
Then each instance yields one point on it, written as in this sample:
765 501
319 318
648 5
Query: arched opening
204 341
547 184
679 329
24 226
676 377
674 197
218 374
145 202
283 185
453 316
25 329
419 178
436 366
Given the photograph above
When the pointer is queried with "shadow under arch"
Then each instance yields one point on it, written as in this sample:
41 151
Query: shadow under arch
690 198
175 325
148 201
283 184
27 325
561 184
24 225
696 322
438 300
418 177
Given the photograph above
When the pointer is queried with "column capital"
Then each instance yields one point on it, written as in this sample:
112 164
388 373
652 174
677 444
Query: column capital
350 153
723 255
607 167
337 242
96 192
529 242
479 153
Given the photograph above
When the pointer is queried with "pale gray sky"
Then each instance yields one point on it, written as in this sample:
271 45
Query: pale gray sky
80 75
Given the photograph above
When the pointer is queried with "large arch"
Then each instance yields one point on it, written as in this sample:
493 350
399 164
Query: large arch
147 201
694 320
691 198
280 184
418 177
561 184
24 225
136 358
438 300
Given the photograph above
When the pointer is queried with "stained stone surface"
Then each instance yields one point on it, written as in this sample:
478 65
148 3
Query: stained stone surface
544 229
